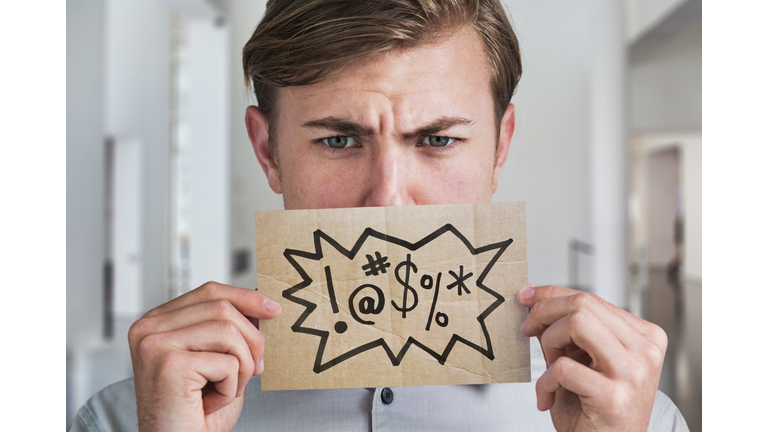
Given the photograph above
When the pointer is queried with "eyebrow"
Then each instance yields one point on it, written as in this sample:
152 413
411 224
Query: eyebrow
348 128
437 126
340 126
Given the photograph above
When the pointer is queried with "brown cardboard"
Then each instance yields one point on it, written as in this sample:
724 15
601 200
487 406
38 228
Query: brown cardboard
473 337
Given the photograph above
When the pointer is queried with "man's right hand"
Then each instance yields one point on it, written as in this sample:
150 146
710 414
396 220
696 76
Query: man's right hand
193 356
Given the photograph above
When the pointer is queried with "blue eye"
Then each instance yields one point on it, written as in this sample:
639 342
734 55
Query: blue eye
338 142
437 141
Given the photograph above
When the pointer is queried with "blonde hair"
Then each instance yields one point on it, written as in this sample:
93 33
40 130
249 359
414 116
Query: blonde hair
301 42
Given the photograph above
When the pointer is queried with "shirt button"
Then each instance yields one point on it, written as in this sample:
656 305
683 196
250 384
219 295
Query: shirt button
387 396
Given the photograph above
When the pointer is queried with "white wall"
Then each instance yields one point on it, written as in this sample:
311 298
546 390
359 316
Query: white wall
570 121
86 236
608 145
249 189
548 162
209 119
665 84
137 107
85 171
643 15
118 84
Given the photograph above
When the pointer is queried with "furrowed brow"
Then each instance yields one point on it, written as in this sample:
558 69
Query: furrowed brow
340 126
436 127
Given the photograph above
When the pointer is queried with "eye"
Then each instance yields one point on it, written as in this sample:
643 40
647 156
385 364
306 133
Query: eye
339 141
437 141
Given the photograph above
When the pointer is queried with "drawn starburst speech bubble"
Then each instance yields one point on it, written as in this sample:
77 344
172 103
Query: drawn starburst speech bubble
396 281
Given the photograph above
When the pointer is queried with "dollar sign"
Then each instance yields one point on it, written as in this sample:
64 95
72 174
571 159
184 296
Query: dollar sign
408 264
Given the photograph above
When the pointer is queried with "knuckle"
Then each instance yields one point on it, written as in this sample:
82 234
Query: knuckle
136 332
562 366
619 399
258 340
228 328
544 338
231 364
580 300
580 317
584 300
148 346
659 336
637 374
655 354
535 311
248 364
157 310
222 308
170 361
209 289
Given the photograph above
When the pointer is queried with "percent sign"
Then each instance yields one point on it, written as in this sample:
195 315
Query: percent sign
441 319
427 282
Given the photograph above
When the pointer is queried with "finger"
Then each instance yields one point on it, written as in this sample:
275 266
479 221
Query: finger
249 302
574 353
579 355
212 336
222 371
568 374
582 329
546 312
215 310
562 301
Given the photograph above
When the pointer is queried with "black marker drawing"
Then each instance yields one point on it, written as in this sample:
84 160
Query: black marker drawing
441 319
368 300
367 305
406 287
375 266
459 280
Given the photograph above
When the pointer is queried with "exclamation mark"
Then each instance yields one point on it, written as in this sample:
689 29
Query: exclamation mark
340 326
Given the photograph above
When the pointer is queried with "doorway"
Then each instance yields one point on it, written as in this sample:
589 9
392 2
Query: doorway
665 257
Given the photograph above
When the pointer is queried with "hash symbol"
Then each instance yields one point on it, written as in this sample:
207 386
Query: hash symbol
373 267
460 280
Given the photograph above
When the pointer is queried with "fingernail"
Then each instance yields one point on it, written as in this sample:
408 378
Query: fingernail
526 293
524 327
261 366
530 285
270 305
240 391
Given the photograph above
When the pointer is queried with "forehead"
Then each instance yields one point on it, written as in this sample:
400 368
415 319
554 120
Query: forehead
458 54
449 74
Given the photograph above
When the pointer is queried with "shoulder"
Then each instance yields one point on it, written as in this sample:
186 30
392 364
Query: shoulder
666 416
111 409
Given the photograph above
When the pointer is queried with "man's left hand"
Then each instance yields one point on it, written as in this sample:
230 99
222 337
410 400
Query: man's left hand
603 363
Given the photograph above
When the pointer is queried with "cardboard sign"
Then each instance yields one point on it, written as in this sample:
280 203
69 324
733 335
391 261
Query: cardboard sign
394 296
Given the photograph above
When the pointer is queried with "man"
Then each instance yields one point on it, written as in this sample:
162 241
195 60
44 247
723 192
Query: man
378 103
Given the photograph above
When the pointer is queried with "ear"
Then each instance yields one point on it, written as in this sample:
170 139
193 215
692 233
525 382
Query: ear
258 132
506 130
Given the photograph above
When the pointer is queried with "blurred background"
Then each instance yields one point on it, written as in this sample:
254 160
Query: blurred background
162 182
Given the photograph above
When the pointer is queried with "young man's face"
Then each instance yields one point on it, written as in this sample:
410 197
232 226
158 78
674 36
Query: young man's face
411 127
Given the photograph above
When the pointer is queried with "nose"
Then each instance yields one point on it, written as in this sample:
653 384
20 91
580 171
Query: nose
388 183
